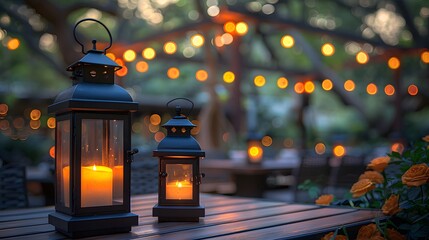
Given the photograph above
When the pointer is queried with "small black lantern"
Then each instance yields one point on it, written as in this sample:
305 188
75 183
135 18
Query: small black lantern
179 172
255 150
92 149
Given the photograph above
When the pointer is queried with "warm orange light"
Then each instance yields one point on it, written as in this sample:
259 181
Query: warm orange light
18 123
173 73
228 77
195 130
197 40
4 108
122 72
96 187
299 87
413 90
328 49
119 61
425 56
327 84
339 151
149 53
259 81
362 57
52 152
153 128
349 85
287 41
255 153
394 63
282 82
13 44
309 87
159 136
129 55
218 41
389 90
155 119
229 27
241 28
201 75
142 66
397 147
35 114
320 148
35 124
267 141
111 56
170 47
51 122
371 89
227 38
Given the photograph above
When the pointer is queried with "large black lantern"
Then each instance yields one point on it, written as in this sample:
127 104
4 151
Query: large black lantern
179 172
92 149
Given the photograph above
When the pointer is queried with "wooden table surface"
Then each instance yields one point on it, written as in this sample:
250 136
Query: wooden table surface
226 218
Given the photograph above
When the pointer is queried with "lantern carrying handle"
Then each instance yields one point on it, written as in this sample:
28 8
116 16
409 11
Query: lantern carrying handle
93 41
181 98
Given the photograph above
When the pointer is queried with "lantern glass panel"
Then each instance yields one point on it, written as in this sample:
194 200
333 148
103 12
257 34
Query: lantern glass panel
63 161
102 162
179 182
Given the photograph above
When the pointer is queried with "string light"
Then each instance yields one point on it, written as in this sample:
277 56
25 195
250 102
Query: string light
229 27
259 81
241 28
413 90
393 63
287 41
349 85
13 44
320 148
129 55
371 89
309 87
362 57
282 82
149 53
197 40
328 49
327 84
339 151
170 47
142 66
299 87
389 90
228 77
201 75
425 57
173 73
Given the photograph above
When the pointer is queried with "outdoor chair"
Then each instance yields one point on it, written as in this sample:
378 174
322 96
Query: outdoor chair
13 189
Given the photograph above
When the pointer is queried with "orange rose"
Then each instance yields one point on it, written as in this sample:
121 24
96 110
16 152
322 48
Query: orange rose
374 176
391 205
361 187
426 138
368 232
325 199
379 164
329 236
416 175
392 234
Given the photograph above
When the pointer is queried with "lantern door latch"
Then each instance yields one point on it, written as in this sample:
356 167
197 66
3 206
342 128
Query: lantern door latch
130 154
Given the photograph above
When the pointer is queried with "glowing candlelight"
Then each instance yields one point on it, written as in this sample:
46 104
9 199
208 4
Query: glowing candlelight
96 186
179 190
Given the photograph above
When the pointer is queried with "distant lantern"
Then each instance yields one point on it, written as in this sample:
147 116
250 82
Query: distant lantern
255 151
92 149
287 41
179 172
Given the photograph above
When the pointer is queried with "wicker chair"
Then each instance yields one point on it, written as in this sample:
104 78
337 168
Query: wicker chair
13 189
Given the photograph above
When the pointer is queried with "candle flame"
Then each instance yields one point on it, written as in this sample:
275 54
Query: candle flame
178 184
94 168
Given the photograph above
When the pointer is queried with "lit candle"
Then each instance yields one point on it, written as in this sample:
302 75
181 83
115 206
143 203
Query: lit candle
179 190
96 186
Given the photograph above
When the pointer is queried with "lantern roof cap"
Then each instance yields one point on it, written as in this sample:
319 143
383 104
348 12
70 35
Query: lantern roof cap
95 57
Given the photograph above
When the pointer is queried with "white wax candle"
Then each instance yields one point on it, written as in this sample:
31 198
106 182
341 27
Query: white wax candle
179 190
96 186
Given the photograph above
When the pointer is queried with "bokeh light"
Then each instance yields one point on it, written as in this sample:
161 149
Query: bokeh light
155 119
328 49
309 87
142 66
413 90
52 152
394 63
425 56
389 90
229 27
267 141
129 55
371 89
149 53
4 108
349 85
35 114
299 87
173 73
320 148
170 47
287 41
51 122
259 81
339 151
282 82
122 72
13 44
159 136
327 84
228 77
111 56
201 75
362 57
197 40
241 28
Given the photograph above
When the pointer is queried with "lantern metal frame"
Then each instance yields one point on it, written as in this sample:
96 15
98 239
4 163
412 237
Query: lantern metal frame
93 96
179 147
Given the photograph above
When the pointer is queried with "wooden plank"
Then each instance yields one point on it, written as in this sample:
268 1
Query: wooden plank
250 224
304 229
